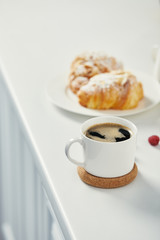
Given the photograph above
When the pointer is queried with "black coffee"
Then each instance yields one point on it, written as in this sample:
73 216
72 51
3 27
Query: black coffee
108 132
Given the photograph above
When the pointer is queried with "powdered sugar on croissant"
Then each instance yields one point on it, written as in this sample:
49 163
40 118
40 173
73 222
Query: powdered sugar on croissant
115 90
88 65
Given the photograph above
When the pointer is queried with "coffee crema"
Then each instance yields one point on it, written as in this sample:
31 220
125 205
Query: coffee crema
108 132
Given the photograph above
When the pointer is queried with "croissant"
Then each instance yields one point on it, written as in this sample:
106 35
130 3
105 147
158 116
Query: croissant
88 65
115 90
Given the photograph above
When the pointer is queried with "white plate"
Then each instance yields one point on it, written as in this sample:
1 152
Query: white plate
62 97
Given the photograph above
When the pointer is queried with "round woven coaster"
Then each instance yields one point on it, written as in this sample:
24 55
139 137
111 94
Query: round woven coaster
107 182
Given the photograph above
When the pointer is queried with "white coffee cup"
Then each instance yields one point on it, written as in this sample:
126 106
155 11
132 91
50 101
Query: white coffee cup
105 159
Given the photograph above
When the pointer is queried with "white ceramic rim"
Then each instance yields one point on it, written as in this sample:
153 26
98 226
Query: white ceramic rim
109 119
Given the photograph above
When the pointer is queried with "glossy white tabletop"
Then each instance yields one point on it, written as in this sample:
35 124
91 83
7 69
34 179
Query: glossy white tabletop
38 40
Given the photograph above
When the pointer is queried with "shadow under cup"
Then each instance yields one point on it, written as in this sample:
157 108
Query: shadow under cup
108 159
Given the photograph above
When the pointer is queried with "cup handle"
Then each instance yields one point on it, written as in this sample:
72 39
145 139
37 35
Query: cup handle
67 150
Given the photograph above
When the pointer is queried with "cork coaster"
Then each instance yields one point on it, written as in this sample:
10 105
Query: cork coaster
107 182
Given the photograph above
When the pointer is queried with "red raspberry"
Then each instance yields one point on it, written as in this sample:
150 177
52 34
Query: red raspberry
153 140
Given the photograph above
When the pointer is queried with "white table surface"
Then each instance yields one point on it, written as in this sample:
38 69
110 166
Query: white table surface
38 39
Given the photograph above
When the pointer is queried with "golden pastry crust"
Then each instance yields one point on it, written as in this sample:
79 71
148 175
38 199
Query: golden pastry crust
88 65
115 90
